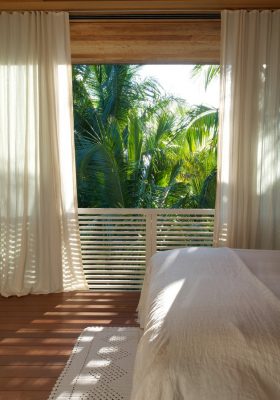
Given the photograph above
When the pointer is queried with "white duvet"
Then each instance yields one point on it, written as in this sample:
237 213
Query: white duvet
211 330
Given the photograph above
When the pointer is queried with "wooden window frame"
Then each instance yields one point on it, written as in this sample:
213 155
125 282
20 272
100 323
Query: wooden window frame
145 41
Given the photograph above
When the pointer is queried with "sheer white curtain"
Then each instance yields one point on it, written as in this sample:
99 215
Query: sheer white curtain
40 245
248 194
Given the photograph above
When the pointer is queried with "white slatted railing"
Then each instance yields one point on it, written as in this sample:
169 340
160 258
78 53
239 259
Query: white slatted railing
117 243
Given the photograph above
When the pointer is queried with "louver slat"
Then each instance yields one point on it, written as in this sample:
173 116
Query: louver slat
117 243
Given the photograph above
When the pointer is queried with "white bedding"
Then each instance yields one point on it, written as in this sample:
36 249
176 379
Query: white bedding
211 327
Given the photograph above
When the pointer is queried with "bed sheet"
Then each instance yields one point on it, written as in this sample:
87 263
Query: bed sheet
211 320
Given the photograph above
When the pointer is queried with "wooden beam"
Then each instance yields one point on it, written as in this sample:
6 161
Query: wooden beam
145 41
137 6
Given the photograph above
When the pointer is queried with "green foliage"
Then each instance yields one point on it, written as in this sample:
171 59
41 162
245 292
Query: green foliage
138 148
209 72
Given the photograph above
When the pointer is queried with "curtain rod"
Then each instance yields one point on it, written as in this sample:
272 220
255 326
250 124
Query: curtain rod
191 16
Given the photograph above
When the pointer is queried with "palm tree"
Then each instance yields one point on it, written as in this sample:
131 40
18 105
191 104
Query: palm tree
135 145
104 97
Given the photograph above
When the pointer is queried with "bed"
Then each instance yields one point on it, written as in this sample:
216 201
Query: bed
211 326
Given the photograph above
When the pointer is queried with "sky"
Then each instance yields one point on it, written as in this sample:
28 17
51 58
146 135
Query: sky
177 80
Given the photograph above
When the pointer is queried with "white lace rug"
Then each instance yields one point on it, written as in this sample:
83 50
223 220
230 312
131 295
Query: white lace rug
100 366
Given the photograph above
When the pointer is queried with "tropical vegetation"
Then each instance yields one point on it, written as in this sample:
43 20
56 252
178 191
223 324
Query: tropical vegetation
137 147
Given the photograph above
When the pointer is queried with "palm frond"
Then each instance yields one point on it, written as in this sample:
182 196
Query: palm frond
209 73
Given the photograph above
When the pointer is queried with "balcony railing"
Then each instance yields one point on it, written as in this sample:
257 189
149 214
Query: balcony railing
117 243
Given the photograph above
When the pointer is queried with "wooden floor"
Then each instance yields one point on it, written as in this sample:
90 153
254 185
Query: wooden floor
37 333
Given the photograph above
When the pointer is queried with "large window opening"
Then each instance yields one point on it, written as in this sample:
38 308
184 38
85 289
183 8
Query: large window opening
146 140
146 135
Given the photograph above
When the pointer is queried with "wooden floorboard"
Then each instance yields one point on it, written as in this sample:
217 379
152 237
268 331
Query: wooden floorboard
38 332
